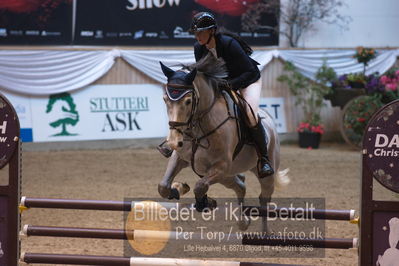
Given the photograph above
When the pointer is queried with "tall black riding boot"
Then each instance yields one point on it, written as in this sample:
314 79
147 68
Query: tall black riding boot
260 138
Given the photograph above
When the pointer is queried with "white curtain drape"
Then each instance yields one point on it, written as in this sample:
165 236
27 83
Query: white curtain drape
46 72
342 61
148 61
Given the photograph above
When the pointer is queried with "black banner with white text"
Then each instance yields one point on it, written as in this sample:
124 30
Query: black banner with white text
165 22
36 22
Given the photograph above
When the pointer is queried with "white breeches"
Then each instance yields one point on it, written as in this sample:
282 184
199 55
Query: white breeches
252 95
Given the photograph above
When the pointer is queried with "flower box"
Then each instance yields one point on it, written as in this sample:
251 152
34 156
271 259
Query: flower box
341 96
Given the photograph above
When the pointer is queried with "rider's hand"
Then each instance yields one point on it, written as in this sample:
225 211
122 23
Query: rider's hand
225 85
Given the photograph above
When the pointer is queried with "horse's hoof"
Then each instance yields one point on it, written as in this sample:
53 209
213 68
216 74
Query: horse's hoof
212 204
205 204
174 194
200 205
164 191
244 223
183 188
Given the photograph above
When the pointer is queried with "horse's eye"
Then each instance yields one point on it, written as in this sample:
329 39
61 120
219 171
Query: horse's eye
188 102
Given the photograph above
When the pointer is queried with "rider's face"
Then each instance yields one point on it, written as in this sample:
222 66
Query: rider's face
203 36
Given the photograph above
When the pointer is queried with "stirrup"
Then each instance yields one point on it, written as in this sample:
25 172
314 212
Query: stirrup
165 151
268 172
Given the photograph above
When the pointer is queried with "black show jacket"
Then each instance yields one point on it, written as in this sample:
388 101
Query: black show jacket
242 69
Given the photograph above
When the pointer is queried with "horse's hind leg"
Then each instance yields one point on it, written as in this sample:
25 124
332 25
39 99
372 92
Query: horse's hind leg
165 189
237 183
267 189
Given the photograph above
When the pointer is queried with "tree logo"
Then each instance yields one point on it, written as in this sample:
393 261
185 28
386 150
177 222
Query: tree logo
64 113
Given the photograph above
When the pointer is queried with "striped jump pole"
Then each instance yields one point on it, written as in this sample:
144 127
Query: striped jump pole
126 261
52 231
104 205
245 239
333 243
319 214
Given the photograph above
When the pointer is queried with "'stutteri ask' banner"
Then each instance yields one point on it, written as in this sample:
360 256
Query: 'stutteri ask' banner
101 112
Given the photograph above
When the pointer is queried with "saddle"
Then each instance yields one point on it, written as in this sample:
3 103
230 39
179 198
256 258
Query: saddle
235 106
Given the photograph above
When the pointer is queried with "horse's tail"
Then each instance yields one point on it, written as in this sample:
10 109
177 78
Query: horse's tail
282 179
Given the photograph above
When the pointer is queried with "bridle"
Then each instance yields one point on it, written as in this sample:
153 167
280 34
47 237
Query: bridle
195 141
195 102
194 105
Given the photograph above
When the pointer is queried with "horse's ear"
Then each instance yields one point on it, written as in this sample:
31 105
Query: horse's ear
167 71
191 76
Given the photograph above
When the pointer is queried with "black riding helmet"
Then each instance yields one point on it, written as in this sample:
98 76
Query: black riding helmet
202 21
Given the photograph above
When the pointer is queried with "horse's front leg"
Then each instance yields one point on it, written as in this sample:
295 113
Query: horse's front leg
216 173
237 183
175 165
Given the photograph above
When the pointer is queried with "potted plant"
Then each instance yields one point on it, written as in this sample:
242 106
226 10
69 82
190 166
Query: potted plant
390 85
345 88
349 86
309 96
364 56
309 136
356 80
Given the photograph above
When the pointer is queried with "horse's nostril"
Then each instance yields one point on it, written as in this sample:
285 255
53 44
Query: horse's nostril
180 144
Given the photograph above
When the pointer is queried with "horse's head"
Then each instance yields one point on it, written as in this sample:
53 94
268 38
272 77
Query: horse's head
180 100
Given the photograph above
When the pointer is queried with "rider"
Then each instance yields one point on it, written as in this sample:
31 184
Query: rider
243 75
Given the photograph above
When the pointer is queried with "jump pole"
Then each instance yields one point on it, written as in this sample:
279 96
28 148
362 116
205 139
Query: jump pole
104 205
333 243
126 261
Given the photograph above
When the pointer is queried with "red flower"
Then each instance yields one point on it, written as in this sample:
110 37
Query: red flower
361 119
306 127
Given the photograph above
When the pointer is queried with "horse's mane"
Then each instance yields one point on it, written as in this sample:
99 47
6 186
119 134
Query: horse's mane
214 69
